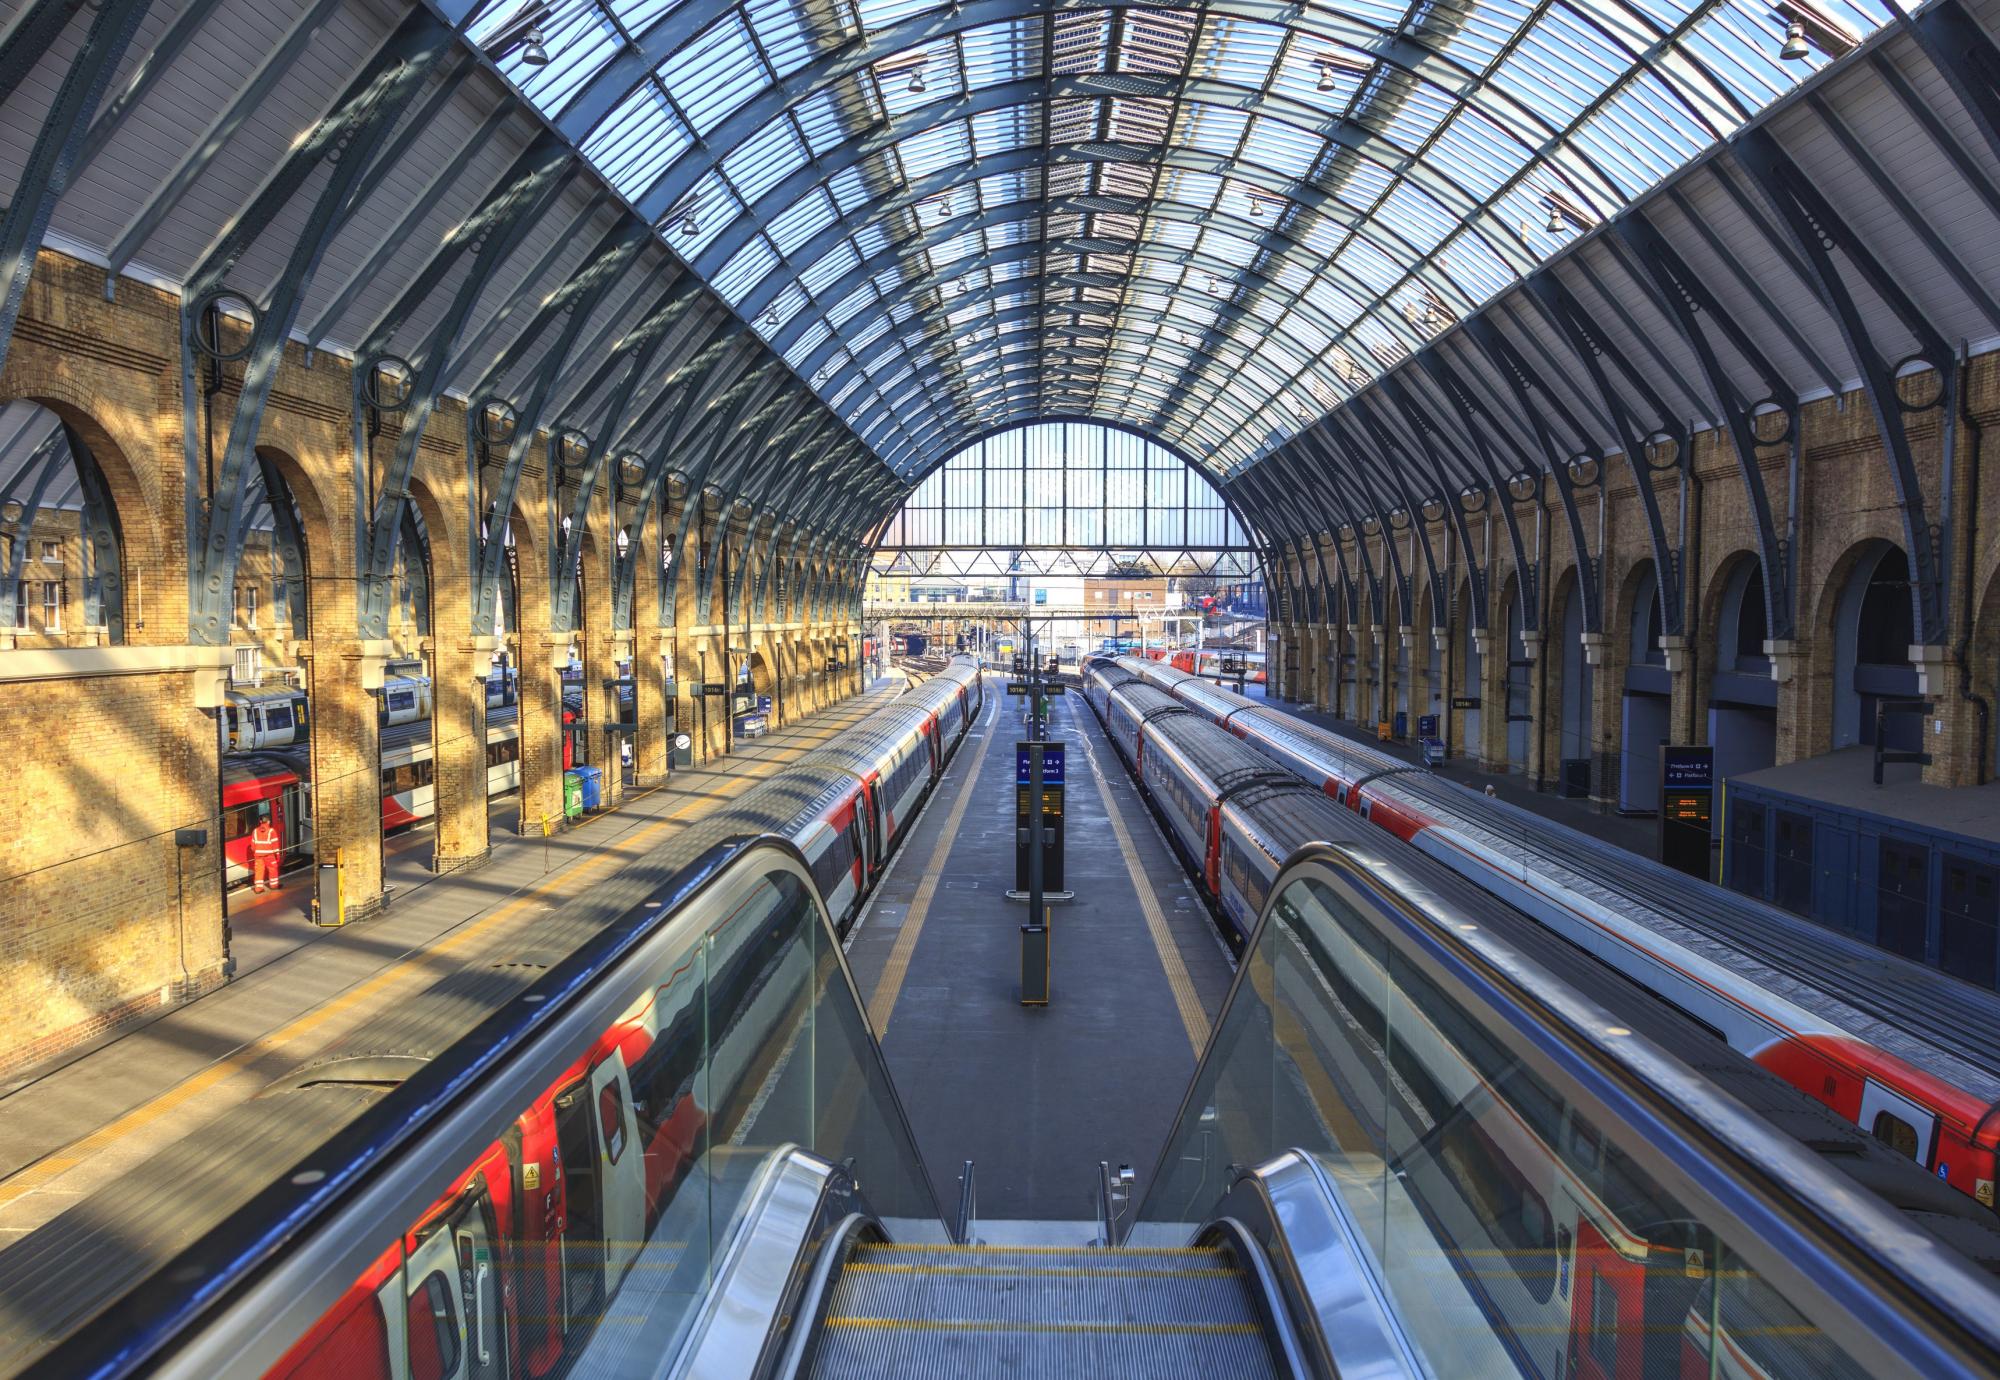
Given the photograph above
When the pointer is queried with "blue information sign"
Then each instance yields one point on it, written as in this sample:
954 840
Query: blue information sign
1684 768
1052 764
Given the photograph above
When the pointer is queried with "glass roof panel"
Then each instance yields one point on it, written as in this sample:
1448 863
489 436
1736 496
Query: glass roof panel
1453 124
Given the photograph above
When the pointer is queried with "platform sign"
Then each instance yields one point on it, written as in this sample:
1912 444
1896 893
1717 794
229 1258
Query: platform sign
1054 759
1687 807
714 687
1053 774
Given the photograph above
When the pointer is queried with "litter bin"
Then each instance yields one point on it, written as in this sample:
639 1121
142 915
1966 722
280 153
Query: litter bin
573 794
1402 724
592 779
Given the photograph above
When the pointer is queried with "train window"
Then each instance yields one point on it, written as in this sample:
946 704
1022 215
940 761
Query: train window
434 1338
278 716
1502 1197
1968 919
1896 1133
611 1120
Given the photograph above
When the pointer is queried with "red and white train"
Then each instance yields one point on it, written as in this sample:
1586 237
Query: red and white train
1207 661
510 1270
1579 1261
1906 1054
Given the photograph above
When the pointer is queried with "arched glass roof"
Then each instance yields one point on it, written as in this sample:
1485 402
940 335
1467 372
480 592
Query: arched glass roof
1210 222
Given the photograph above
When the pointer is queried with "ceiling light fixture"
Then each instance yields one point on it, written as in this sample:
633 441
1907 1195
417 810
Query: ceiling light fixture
771 318
917 82
1555 225
1325 82
1796 48
533 53
1256 207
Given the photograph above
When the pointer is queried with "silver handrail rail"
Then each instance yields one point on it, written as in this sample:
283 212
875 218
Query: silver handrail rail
1878 1285
968 1206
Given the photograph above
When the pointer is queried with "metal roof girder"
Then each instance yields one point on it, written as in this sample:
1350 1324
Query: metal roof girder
1816 230
54 157
1686 300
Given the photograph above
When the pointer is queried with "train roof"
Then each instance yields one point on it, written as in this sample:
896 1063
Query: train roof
1914 1012
265 694
1286 819
1146 702
1228 762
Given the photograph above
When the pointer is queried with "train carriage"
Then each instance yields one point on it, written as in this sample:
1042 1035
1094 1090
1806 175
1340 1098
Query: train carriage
1903 1053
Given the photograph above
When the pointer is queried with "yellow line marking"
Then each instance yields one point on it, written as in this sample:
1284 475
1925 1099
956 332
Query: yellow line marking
890 987
59 1162
1043 1271
1098 1251
1193 1016
1242 1329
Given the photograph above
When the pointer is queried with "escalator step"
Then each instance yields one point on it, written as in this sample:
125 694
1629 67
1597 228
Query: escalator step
1043 1293
875 1348
1014 1311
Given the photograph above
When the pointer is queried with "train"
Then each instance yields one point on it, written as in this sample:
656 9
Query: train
273 781
1208 661
1903 1053
515 1260
258 718
1533 1189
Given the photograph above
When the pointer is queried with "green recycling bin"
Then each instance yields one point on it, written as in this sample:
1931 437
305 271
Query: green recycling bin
573 794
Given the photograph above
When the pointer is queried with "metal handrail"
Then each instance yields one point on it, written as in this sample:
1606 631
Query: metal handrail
968 1206
1114 1195
1877 1285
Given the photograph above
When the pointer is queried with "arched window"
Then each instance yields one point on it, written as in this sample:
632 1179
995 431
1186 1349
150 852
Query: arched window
60 566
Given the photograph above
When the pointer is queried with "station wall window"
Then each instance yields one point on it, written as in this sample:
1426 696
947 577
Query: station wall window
52 552
21 604
51 606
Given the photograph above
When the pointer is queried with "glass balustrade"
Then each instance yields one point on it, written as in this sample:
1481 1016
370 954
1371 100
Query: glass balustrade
1513 1232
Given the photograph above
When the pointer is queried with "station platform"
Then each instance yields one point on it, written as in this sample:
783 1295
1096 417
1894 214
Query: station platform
76 1124
1035 1096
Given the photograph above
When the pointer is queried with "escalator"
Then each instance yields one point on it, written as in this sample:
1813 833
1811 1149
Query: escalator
912 1311
1405 1153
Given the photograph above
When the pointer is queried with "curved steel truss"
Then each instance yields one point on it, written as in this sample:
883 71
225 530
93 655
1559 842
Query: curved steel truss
1214 222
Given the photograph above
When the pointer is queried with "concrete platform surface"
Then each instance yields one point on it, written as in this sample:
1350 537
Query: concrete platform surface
73 1126
1037 1095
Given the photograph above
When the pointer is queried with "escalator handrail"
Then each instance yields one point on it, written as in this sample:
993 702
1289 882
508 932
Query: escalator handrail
767 1289
1876 1284
329 1205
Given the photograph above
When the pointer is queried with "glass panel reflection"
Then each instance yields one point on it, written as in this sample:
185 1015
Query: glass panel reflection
1512 1235
582 1240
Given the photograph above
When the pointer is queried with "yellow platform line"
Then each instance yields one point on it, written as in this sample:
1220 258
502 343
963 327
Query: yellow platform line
883 1004
1236 1329
944 1248
59 1162
1193 1016
1042 1271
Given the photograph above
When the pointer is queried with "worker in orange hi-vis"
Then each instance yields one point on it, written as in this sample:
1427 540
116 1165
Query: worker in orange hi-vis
265 849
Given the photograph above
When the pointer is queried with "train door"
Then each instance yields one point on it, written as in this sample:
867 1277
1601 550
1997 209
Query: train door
1904 1126
456 1330
479 1290
621 1165
1606 1310
583 1207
